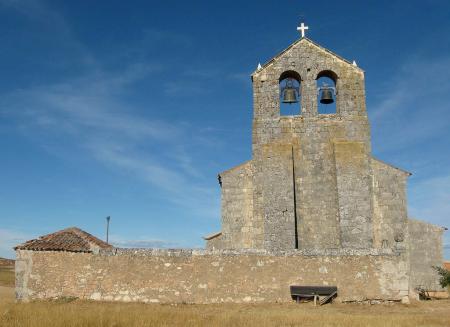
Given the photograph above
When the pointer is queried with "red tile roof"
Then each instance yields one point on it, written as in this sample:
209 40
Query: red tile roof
70 239
447 265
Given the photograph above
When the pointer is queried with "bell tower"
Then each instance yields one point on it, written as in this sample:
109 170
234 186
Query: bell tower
311 169
312 182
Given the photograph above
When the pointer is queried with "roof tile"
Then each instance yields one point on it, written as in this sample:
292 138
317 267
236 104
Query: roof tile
70 239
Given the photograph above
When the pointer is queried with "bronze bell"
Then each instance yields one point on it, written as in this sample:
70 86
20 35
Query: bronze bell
290 93
290 96
327 95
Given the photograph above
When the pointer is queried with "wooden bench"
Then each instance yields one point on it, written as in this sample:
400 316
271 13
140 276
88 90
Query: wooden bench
314 292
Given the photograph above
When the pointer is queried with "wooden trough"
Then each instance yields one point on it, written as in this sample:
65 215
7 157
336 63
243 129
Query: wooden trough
320 294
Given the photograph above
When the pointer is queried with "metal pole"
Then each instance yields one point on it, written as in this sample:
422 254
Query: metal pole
107 229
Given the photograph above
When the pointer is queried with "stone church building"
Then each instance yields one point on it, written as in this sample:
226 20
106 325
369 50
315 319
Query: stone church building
312 182
312 207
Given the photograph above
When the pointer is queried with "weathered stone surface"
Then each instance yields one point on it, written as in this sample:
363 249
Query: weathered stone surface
201 276
390 220
237 208
304 192
425 244
312 182
354 187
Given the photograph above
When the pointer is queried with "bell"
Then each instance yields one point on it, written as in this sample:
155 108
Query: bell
327 96
289 95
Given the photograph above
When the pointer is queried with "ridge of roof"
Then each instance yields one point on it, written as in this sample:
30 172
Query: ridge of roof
267 63
390 165
442 228
211 236
70 239
236 167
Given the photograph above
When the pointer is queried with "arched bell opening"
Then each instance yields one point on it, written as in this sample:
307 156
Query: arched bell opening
326 92
290 92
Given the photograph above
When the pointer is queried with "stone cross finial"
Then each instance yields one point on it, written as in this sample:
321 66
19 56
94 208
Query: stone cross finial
302 28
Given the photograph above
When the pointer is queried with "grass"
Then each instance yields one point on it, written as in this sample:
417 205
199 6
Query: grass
98 314
7 276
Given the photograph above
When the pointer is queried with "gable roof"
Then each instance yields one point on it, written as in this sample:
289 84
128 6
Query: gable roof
70 239
311 42
211 236
236 167
392 166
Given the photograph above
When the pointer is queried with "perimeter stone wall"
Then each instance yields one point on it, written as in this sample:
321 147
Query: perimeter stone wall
202 276
425 242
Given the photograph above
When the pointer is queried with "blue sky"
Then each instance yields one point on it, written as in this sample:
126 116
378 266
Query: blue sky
131 108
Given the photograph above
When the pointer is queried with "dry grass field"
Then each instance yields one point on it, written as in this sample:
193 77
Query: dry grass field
95 314
7 276
79 313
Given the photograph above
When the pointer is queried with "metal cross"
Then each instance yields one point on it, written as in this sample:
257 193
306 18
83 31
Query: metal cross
302 28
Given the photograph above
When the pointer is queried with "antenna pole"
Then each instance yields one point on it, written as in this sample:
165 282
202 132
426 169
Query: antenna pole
107 229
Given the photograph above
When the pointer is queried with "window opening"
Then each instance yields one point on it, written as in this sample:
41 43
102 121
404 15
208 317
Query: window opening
326 93
290 94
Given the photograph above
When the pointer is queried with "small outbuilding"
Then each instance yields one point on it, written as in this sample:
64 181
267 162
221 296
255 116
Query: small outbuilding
70 239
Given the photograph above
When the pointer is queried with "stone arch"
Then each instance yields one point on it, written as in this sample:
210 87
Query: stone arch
290 74
328 73
293 79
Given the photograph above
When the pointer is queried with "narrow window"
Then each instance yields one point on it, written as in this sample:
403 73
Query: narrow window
326 92
290 93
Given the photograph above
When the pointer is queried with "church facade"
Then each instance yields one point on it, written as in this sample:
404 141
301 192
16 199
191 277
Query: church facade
312 182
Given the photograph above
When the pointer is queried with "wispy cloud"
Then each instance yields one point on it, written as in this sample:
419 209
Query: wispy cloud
413 104
88 110
142 242
92 113
8 239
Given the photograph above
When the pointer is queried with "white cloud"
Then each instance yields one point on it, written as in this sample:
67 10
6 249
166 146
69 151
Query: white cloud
8 239
142 242
90 114
413 105
418 79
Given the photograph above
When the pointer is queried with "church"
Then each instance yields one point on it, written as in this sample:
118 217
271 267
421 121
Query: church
312 182
312 207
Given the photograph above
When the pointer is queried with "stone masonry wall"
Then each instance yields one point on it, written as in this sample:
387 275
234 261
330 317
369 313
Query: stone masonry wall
215 243
354 185
326 191
425 243
238 228
201 276
278 192
390 219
